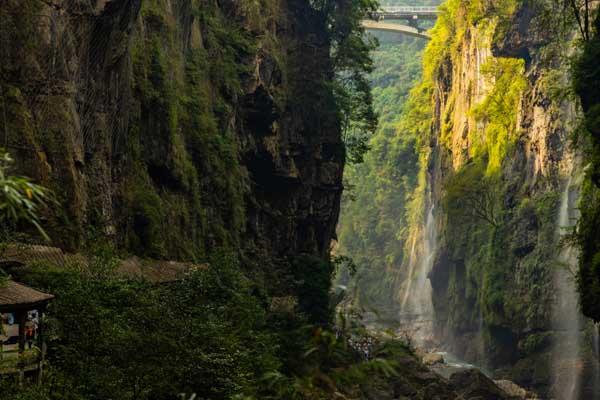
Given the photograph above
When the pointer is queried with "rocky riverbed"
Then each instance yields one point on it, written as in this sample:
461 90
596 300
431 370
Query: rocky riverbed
469 381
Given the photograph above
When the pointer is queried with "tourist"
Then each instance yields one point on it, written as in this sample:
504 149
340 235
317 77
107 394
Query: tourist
29 331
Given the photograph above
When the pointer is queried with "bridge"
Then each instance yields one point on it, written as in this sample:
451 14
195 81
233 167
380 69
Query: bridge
411 15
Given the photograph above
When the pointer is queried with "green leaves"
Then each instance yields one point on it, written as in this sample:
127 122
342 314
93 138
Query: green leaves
472 196
586 81
350 48
20 199
372 228
313 285
127 339
359 120
498 111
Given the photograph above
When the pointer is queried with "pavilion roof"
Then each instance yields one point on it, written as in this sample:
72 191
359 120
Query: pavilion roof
14 295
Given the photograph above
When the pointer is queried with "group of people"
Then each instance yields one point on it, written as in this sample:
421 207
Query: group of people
363 344
31 328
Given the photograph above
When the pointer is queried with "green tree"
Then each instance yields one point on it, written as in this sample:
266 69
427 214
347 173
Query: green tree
313 277
472 194
115 338
350 47
586 80
582 11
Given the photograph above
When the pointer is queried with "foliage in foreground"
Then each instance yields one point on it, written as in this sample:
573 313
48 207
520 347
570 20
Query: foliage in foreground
125 339
211 335
20 199
21 202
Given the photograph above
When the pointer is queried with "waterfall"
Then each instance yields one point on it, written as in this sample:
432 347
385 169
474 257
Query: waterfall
424 306
412 261
416 304
566 318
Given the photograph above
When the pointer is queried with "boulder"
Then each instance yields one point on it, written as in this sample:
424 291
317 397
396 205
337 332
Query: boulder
514 390
472 384
433 358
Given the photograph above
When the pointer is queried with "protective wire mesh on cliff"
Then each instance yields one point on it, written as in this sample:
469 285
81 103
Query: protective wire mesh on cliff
60 30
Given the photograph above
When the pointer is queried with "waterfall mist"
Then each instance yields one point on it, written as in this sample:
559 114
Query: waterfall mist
416 305
567 321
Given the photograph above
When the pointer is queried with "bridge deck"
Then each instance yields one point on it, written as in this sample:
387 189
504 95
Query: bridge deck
389 27
411 14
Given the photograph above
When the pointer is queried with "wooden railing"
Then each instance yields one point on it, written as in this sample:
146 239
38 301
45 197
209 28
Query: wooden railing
11 362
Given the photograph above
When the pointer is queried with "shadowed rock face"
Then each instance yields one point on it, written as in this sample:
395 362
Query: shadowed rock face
161 129
518 39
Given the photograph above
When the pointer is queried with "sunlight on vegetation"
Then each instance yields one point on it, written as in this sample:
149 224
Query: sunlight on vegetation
498 111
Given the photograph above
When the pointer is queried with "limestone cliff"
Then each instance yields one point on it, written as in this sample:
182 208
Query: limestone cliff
501 157
175 126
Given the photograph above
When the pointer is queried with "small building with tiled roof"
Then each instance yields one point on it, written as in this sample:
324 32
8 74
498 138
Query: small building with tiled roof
19 301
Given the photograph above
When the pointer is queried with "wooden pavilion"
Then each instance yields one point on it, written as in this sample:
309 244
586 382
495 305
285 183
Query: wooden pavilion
19 300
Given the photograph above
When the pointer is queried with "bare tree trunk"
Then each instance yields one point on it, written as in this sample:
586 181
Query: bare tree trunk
583 21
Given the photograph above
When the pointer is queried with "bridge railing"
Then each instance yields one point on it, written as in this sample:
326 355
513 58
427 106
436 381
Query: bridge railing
408 10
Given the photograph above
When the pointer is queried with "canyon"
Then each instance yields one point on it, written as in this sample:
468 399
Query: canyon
488 201
448 251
